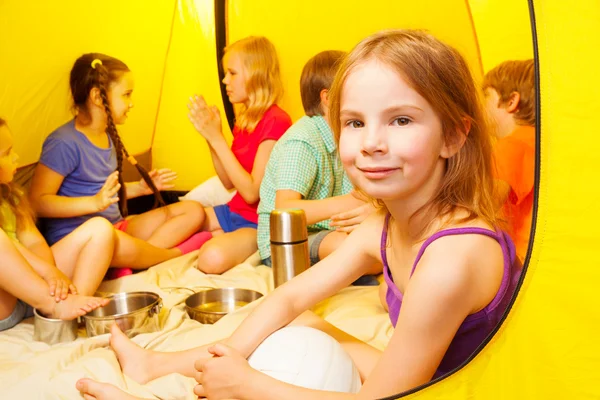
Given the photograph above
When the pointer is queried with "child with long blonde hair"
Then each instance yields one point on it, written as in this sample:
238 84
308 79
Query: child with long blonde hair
253 85
412 135
80 173
57 280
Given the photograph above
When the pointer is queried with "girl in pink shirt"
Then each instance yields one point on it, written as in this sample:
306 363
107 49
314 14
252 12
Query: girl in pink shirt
254 86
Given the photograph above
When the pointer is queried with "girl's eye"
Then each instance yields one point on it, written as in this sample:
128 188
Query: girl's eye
402 121
355 124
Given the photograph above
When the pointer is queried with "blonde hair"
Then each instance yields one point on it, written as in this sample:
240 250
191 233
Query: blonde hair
515 76
13 197
263 79
440 74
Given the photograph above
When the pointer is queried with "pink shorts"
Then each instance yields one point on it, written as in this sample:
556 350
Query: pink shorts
121 225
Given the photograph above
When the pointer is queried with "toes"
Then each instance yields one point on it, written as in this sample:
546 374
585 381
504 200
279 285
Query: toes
88 387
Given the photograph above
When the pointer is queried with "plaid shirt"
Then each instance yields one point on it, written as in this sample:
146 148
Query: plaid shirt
306 161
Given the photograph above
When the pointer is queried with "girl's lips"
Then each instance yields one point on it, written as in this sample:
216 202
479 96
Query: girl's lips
377 173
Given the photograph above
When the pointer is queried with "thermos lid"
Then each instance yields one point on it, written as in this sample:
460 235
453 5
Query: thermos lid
288 225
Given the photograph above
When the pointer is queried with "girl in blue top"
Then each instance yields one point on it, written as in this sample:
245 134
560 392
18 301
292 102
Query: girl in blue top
56 280
79 175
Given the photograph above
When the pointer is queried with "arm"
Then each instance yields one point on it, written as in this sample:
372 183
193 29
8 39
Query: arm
220 170
327 277
31 239
39 256
439 296
45 201
316 210
296 168
247 185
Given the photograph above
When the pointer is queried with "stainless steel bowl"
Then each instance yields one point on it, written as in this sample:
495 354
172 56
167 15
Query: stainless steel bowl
52 331
133 312
207 307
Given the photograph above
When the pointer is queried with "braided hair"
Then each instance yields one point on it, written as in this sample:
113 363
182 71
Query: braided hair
96 70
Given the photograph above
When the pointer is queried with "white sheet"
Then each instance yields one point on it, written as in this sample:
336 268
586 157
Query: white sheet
34 370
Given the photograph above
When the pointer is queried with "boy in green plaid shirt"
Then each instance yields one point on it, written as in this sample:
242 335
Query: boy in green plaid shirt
304 171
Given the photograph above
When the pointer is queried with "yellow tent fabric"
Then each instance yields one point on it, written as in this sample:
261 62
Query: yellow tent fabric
171 48
547 347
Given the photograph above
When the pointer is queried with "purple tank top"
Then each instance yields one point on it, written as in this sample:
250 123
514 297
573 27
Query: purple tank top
475 327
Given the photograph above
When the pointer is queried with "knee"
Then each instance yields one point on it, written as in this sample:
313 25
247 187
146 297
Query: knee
99 226
194 211
212 260
100 229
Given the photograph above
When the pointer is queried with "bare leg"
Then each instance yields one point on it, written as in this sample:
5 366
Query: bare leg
365 357
333 240
130 252
226 251
144 365
18 280
85 254
93 390
168 226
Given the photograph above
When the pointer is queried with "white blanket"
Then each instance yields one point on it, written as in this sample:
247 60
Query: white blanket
34 370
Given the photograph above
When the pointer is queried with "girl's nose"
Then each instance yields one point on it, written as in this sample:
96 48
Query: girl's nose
374 140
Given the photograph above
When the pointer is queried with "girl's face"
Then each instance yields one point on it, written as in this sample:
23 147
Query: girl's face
8 157
391 141
235 78
119 97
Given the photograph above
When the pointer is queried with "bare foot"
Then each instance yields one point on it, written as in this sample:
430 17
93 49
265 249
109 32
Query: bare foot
72 307
93 390
135 361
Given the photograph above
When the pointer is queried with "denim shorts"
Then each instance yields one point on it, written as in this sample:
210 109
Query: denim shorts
21 311
231 221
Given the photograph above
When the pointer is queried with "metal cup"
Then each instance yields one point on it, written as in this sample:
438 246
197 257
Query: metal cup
53 331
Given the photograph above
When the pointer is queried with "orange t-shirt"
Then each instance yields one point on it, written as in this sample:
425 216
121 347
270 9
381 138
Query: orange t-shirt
515 165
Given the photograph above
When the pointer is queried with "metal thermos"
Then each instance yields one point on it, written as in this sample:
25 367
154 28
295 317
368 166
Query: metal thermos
289 244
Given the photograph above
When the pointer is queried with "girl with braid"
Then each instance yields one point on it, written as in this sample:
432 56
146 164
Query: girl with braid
79 175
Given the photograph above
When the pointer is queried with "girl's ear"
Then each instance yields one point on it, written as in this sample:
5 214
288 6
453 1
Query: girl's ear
95 97
456 142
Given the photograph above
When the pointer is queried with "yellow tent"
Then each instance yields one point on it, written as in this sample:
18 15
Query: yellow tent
547 347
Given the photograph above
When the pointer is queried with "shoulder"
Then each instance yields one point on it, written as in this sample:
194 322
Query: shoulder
522 139
274 123
368 233
456 264
304 130
277 114
64 134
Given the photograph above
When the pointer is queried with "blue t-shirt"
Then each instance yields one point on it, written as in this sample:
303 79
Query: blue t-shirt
85 168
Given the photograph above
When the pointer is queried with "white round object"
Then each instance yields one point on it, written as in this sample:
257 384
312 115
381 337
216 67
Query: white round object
308 358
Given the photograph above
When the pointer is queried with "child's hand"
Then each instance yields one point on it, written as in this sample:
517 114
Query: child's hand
349 220
60 285
162 179
206 119
107 194
224 376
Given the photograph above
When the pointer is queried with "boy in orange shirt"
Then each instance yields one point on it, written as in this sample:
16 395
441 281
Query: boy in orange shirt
510 101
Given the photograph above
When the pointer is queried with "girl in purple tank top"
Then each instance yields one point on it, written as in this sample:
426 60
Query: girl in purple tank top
412 136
